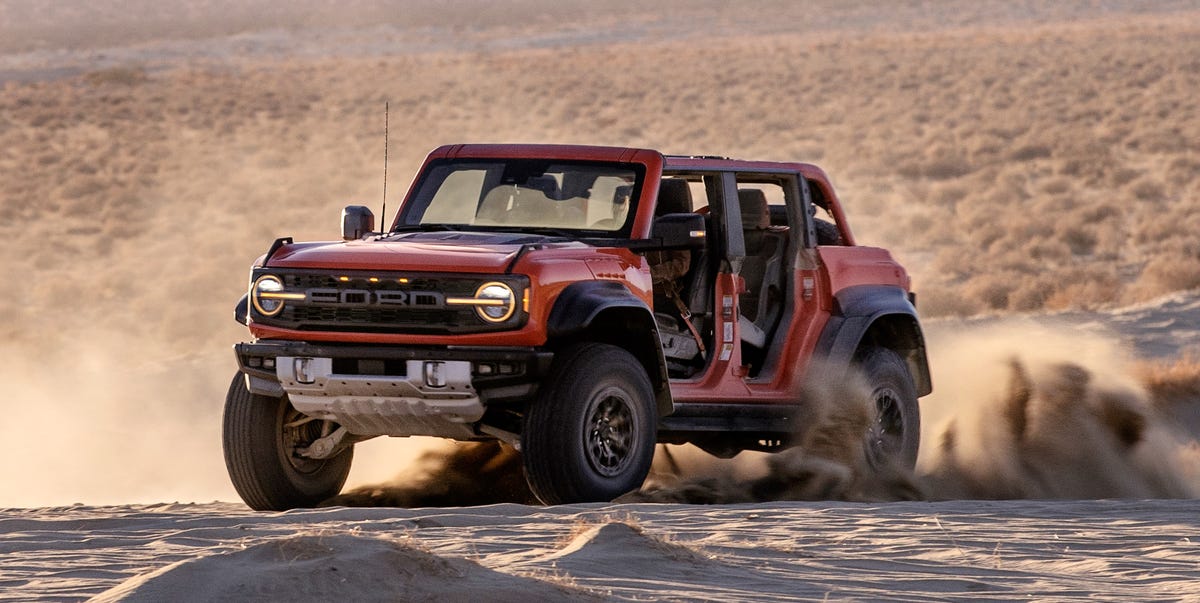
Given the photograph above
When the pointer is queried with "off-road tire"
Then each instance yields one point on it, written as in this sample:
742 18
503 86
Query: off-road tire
894 435
589 436
262 466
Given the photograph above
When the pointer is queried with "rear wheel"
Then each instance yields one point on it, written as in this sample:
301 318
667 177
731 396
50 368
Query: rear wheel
261 438
589 436
894 434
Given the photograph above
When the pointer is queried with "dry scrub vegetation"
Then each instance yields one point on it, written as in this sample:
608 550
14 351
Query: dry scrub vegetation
1019 168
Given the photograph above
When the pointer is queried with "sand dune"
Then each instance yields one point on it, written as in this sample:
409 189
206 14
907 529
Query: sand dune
334 565
972 551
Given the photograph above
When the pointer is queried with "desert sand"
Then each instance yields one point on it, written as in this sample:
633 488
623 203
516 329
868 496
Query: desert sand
1036 165
950 551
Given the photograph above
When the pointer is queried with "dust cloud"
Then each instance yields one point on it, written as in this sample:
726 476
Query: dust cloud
453 475
1033 411
86 422
1022 410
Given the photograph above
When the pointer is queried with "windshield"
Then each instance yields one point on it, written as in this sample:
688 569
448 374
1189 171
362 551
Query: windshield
515 194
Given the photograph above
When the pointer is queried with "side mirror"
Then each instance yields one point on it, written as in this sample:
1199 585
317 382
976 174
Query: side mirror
357 222
679 231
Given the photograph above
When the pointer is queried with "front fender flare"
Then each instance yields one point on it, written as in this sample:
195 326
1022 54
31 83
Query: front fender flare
608 311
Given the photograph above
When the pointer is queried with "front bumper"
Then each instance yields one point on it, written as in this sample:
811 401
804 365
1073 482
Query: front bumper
392 390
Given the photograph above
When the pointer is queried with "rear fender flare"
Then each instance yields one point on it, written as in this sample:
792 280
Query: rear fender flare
881 316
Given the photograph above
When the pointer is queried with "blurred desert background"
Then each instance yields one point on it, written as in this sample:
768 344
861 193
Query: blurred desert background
1021 158
1035 164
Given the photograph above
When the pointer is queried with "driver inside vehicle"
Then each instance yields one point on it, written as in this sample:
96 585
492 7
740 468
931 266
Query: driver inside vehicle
669 266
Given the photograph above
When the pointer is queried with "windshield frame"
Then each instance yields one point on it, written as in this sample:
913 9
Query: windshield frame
434 175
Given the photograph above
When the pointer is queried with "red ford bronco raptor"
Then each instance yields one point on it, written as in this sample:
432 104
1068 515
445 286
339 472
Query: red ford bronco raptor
578 303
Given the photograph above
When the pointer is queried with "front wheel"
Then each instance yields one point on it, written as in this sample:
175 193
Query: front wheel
589 436
894 434
261 436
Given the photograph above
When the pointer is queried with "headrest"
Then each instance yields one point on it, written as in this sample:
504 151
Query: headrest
674 197
547 184
755 213
622 193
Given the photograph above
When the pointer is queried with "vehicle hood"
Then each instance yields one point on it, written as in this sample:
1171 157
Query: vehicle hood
423 251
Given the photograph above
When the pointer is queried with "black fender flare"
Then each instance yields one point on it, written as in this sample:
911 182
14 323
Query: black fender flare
241 312
879 315
608 311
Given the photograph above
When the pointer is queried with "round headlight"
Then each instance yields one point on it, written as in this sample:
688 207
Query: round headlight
501 302
263 295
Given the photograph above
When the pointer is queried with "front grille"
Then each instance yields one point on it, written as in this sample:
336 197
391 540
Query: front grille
384 303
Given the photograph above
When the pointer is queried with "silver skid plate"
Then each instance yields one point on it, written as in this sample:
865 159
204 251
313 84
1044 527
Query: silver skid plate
432 398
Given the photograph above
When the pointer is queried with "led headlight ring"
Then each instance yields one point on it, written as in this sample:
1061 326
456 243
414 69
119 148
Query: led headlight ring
496 301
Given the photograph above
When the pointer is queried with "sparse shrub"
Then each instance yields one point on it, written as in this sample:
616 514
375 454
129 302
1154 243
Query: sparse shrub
992 290
1177 381
1030 152
1030 295
948 194
1080 239
119 76
1084 288
82 186
920 223
1049 250
910 169
947 166
1099 211
45 119
1146 189
1182 170
1075 167
935 301
1168 273
1056 186
952 264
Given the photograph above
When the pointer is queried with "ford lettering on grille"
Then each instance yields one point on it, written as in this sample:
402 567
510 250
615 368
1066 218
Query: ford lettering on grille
364 297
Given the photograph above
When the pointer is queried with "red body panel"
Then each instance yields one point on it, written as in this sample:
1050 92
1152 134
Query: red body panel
852 266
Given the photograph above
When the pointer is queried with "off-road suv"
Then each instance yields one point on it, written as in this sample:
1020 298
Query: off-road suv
579 303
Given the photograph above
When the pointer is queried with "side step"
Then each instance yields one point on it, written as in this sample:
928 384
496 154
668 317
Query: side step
764 419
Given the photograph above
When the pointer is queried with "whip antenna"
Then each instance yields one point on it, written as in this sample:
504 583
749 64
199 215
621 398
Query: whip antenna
383 214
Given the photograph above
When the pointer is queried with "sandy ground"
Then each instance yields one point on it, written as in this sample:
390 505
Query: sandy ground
953 551
1034 164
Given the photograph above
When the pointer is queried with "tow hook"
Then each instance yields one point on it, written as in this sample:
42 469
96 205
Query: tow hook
325 447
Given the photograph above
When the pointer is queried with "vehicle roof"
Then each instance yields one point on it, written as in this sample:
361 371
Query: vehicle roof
707 162
537 151
622 154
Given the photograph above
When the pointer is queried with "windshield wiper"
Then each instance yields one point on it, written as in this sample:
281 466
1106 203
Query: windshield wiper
430 227
547 230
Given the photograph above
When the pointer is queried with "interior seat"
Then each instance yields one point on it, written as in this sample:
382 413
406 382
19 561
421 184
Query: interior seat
762 269
674 197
